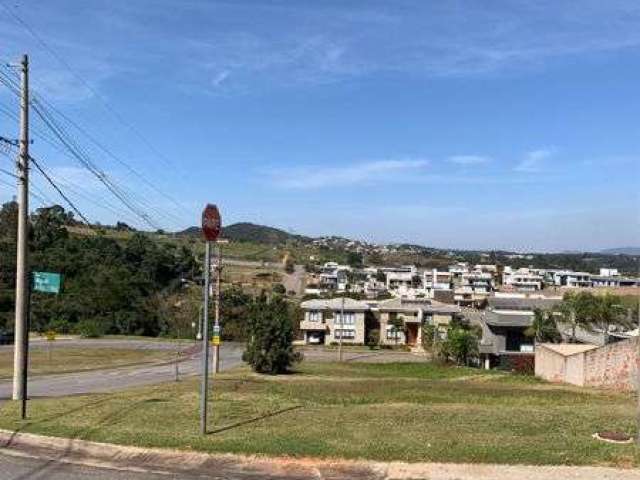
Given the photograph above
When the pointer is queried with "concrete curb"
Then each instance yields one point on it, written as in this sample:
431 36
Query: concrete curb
168 461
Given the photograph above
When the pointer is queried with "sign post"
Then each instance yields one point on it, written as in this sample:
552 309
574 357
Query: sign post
44 282
211 226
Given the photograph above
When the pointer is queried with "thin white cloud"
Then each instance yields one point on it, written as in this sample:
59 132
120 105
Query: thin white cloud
355 174
468 160
534 161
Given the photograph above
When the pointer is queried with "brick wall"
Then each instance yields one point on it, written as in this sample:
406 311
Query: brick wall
613 366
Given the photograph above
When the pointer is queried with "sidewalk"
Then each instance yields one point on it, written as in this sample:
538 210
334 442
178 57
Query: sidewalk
174 462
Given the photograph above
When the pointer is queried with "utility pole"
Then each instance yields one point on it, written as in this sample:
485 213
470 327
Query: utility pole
341 330
22 274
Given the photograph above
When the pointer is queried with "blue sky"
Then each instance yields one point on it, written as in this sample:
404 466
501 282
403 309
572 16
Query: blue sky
454 124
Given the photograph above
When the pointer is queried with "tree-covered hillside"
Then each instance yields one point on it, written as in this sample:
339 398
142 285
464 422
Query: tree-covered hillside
110 285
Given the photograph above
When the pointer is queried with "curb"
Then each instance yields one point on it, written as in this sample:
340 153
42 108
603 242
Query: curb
167 461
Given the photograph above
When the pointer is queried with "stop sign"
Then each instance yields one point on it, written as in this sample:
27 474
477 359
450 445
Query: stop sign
211 223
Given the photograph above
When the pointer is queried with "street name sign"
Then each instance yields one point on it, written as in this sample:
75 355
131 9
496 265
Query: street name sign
47 282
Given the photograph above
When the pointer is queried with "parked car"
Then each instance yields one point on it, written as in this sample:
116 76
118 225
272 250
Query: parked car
7 338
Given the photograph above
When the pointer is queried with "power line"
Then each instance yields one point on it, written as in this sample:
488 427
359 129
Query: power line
87 85
7 172
57 189
42 110
64 138
78 154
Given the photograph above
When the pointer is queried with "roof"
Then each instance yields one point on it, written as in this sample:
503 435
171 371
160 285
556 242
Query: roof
508 319
334 304
402 305
511 303
568 349
440 307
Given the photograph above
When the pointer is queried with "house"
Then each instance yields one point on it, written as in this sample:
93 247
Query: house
323 322
614 365
568 278
523 279
474 288
400 279
615 281
327 320
433 280
334 276
504 323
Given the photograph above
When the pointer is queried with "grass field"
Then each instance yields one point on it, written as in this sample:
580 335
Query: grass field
63 359
409 412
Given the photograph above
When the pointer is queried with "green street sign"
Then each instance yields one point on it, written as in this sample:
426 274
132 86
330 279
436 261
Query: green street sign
47 282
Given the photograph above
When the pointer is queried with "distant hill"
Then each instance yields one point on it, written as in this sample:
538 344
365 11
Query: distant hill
250 232
622 251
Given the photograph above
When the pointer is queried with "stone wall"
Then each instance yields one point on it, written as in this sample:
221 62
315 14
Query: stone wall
613 366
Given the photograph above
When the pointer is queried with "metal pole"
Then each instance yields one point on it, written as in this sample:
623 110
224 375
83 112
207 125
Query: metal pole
218 267
205 341
21 328
341 330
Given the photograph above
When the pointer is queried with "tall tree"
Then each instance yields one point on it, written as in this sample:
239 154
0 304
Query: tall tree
270 343
544 328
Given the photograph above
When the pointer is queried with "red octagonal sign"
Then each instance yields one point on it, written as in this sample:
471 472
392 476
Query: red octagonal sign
211 223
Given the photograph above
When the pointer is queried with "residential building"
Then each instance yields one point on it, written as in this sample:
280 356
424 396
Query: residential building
324 322
504 323
523 279
474 288
400 278
433 280
568 278
398 320
615 281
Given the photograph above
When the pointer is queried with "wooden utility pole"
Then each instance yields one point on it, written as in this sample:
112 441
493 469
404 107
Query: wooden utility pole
22 273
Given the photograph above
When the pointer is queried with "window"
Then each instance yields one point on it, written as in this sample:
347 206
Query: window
349 318
315 316
345 333
394 333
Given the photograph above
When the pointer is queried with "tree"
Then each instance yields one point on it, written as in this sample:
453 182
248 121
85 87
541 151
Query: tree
576 310
609 311
543 328
460 346
270 343
354 259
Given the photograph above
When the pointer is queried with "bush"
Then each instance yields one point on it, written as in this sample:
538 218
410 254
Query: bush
90 328
523 364
270 344
373 337
279 289
460 346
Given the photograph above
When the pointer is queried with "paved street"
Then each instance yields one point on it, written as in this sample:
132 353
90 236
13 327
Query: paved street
108 380
28 468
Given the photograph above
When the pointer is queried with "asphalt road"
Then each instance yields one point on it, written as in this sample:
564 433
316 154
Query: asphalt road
108 380
29 468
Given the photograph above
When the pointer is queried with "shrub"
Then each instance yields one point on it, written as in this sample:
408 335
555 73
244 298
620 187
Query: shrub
270 344
90 328
460 346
